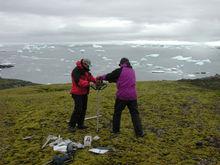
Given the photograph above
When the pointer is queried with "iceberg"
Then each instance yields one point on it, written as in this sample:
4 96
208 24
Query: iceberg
157 71
189 59
152 55
19 51
106 59
72 51
96 46
181 58
100 50
190 75
143 59
82 50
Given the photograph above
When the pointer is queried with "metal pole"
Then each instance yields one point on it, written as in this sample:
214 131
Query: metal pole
97 111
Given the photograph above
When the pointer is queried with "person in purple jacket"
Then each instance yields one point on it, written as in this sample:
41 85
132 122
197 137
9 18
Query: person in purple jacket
126 95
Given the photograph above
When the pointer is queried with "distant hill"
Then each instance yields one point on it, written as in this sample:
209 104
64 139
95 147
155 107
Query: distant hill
212 82
13 83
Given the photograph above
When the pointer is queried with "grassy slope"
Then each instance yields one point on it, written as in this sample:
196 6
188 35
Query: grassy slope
13 83
175 115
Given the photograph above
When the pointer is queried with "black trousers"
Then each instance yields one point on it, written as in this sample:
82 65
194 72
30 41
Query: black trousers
132 106
79 111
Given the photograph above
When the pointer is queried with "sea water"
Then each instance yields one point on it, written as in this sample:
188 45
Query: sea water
53 63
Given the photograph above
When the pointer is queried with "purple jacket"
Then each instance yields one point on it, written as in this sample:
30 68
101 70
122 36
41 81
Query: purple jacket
125 81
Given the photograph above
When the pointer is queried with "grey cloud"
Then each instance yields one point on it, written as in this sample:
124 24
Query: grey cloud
38 20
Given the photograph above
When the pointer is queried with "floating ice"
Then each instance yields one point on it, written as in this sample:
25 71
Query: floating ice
159 67
157 71
180 66
143 59
190 75
149 64
38 70
97 46
199 63
51 47
106 59
174 69
213 44
134 46
19 51
67 74
62 59
100 50
181 58
134 62
189 59
36 58
71 45
152 55
82 50
6 62
207 60
72 51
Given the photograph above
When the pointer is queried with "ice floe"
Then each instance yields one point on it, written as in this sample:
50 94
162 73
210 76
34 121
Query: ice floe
213 44
149 64
143 59
189 59
6 62
161 69
36 58
97 46
51 47
158 71
38 69
67 74
71 50
71 45
191 75
100 50
19 51
37 47
82 50
181 58
152 55
106 59
135 46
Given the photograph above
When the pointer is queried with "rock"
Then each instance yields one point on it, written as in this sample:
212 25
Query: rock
6 66
199 144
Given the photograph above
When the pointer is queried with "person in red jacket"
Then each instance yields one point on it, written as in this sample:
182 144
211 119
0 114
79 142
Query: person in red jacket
81 81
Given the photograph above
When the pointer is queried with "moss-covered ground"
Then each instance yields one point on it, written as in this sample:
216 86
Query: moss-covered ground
181 123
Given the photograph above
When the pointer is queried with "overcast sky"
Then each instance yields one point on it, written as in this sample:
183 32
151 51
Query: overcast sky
109 20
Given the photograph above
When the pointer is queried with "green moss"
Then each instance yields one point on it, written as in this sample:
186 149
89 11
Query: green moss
176 117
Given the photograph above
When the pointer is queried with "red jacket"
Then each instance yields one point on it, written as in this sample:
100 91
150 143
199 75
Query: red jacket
80 80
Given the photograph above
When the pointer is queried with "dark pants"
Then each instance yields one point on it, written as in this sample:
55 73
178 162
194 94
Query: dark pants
79 111
132 106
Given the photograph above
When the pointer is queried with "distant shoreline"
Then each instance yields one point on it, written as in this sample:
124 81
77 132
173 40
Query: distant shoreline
14 83
211 82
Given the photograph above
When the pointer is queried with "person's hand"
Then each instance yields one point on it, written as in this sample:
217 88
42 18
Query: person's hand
99 78
91 84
